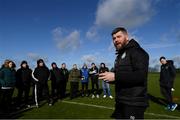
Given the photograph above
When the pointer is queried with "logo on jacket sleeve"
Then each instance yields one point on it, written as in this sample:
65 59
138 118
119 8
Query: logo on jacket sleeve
123 55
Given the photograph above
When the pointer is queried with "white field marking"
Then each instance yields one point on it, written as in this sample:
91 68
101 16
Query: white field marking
112 108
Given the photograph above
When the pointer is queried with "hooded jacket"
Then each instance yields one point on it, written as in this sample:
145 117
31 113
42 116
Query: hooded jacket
131 69
42 74
167 74
23 77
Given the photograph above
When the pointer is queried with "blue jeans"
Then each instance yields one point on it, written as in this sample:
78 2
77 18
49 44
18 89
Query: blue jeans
106 88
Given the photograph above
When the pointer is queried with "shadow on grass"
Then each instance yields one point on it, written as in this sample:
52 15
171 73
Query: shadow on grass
161 101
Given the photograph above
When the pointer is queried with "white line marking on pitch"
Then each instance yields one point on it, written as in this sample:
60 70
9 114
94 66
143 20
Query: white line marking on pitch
112 108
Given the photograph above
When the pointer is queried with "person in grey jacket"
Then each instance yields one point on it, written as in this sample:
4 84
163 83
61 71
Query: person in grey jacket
74 78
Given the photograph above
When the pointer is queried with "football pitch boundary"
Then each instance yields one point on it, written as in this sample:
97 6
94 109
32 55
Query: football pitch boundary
112 108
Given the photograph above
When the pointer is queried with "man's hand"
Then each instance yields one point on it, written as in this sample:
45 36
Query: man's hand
107 76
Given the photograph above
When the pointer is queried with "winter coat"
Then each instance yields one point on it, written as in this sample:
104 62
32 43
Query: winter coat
7 77
167 74
65 74
74 75
42 74
23 77
131 70
85 75
94 73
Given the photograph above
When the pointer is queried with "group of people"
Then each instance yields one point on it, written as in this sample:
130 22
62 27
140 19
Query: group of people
25 78
129 76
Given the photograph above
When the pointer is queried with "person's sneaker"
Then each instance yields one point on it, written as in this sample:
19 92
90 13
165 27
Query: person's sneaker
172 89
111 96
97 96
28 106
37 105
93 96
50 104
104 96
174 107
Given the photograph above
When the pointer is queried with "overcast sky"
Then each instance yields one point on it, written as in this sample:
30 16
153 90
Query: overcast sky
78 31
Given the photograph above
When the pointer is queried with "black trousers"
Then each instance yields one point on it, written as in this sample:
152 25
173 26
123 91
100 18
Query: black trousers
85 88
6 99
167 93
95 83
74 89
41 92
62 88
123 111
23 89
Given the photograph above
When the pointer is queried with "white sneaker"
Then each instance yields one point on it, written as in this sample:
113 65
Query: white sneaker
174 107
97 96
104 96
172 89
111 96
93 96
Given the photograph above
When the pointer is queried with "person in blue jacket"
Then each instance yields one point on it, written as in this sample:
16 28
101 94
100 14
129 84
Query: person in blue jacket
85 80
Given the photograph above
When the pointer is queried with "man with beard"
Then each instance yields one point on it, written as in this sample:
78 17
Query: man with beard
129 76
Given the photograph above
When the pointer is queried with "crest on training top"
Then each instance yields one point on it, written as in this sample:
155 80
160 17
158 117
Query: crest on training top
123 55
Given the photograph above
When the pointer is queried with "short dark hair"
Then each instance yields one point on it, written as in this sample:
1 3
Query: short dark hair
119 29
162 57
92 63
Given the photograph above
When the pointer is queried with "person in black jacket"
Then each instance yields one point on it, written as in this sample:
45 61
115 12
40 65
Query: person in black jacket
105 85
64 80
23 83
167 76
130 77
41 75
55 78
93 71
